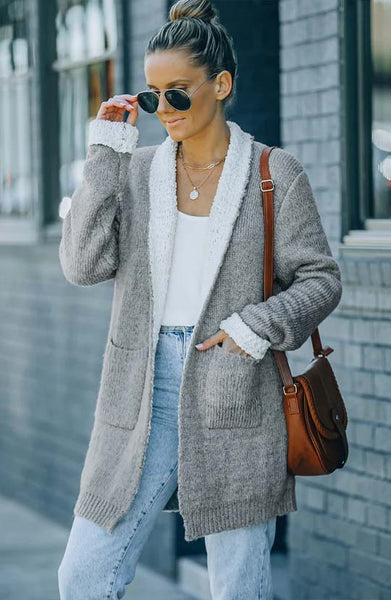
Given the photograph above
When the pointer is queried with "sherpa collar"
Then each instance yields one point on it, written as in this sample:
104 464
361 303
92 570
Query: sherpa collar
163 213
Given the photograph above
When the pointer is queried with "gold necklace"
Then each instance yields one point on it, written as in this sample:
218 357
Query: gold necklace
194 194
210 166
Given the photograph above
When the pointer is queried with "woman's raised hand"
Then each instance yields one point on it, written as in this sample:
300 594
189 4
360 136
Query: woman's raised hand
113 109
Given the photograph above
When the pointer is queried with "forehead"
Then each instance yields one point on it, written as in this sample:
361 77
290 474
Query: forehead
164 69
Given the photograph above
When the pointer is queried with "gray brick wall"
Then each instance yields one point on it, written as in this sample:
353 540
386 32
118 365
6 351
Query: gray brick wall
340 537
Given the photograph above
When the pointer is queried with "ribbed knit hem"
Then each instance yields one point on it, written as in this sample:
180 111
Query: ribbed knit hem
242 513
100 511
198 522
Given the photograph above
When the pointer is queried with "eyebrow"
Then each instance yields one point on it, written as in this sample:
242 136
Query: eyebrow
171 83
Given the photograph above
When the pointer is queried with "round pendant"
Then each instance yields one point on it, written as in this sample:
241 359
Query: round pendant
194 194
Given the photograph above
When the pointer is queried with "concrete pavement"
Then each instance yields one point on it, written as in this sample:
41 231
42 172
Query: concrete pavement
31 548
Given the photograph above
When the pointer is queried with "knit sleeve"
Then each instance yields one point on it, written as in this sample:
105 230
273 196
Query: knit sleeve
88 249
309 277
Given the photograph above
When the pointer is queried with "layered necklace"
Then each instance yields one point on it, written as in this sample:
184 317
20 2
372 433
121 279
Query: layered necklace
194 194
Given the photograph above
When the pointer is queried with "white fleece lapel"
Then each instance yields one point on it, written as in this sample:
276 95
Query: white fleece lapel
163 213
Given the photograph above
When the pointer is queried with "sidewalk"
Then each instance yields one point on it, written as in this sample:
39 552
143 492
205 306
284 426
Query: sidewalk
31 548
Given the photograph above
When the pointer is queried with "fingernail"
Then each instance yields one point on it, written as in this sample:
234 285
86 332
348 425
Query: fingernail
199 345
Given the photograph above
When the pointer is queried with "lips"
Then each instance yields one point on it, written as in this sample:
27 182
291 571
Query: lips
174 121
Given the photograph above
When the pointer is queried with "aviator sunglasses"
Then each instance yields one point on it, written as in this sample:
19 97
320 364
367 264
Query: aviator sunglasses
177 98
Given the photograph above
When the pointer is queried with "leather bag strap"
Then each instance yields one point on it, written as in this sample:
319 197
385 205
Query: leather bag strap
267 187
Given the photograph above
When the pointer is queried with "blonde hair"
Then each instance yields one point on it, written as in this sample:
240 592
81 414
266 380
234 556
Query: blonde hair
194 27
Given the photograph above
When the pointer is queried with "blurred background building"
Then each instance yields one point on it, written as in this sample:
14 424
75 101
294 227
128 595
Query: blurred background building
315 78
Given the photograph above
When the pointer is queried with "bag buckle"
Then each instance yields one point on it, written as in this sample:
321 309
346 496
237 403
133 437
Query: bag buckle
286 393
269 189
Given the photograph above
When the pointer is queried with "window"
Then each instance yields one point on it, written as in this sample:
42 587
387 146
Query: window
381 107
86 40
17 195
367 123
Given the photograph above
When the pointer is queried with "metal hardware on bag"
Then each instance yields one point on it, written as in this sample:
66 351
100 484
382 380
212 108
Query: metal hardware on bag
286 393
269 189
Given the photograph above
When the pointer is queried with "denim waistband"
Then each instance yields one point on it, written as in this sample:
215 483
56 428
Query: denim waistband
164 328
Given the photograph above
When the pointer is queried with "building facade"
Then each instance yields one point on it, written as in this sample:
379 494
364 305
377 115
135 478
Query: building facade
314 77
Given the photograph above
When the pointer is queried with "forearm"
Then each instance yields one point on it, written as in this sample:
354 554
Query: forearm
88 249
309 276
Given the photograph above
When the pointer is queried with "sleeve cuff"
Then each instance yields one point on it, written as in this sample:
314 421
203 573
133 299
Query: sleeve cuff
120 136
64 206
244 336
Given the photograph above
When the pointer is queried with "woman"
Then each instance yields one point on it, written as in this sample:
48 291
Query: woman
189 414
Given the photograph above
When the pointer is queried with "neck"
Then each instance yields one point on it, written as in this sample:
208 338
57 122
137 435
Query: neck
208 146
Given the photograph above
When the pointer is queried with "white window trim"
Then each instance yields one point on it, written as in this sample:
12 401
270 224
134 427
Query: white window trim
375 238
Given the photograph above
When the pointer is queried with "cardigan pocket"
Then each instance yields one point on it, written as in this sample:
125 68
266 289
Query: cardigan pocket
121 385
232 390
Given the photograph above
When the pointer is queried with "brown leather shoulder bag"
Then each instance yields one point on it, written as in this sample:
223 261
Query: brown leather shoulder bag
314 410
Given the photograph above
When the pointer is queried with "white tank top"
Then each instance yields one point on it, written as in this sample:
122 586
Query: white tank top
183 301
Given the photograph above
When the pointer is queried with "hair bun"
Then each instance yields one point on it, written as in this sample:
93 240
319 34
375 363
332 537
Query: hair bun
193 9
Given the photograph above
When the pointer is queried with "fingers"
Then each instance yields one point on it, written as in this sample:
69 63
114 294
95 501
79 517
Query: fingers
113 108
211 341
120 103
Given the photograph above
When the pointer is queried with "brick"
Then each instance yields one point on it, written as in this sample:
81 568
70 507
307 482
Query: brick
385 545
329 201
310 7
385 267
363 383
357 510
356 457
382 332
290 107
336 529
373 357
363 589
366 298
353 356
377 516
362 330
316 499
309 106
330 101
382 385
293 33
383 439
336 503
375 463
330 152
327 550
383 300
339 327
288 10
322 26
375 568
366 540
361 434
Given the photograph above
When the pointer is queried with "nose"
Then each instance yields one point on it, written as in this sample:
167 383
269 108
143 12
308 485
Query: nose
163 104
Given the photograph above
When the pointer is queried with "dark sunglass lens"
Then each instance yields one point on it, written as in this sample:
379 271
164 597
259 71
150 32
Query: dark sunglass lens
178 99
148 101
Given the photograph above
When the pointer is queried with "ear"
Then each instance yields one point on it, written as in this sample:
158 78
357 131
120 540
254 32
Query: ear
224 84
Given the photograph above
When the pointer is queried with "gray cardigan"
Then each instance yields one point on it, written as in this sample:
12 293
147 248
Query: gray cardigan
120 224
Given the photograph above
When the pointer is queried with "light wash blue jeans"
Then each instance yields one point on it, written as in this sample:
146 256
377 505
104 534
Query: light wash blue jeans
98 565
